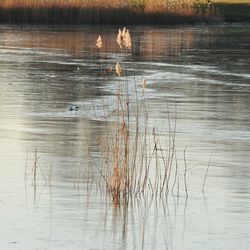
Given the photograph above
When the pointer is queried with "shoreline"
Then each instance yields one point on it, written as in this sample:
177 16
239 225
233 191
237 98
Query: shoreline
215 13
99 17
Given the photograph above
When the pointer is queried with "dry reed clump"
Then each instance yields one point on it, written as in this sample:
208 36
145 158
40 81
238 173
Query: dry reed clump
123 39
134 161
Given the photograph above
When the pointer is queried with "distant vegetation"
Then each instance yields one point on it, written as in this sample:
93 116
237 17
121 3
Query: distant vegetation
106 11
233 10
122 11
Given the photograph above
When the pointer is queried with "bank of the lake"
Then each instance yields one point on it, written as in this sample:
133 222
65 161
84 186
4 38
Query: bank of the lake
123 12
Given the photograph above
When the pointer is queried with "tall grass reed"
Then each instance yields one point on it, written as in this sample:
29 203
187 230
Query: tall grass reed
136 158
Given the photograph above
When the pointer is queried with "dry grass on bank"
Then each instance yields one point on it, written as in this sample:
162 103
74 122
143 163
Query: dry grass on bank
61 3
104 11
95 3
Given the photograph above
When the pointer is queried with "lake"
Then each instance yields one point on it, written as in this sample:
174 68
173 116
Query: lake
197 76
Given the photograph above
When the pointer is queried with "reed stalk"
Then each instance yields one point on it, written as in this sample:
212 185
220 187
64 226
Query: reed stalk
205 177
185 173
35 166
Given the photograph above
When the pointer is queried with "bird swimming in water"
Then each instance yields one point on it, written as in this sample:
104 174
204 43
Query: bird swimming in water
72 108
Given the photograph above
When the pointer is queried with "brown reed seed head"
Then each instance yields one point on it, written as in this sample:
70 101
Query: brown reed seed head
144 83
124 38
119 38
108 69
124 32
118 69
99 42
127 40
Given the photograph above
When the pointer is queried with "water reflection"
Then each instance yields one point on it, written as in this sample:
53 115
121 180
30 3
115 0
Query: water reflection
145 223
80 44
200 72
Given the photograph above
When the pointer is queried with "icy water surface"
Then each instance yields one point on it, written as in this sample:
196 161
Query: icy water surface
198 74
